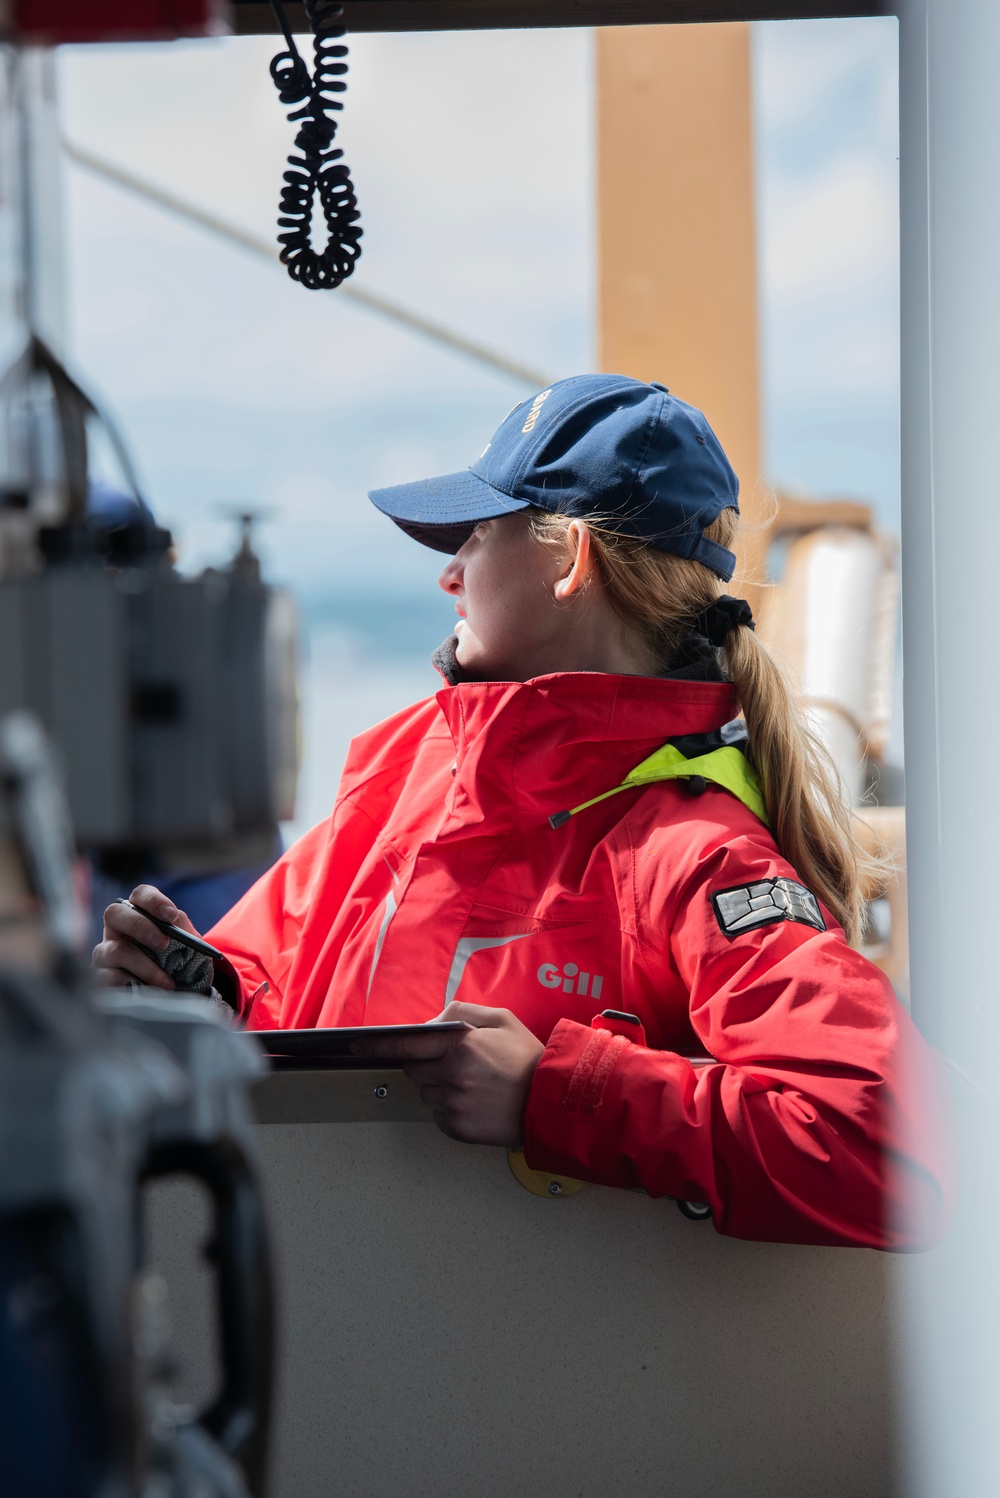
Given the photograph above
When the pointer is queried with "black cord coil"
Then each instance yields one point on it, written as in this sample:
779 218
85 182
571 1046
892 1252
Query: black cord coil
315 167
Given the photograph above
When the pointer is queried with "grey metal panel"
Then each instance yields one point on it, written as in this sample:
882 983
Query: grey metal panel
243 726
82 620
174 642
250 16
12 656
447 1334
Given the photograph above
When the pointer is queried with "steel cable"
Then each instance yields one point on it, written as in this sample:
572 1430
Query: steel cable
316 169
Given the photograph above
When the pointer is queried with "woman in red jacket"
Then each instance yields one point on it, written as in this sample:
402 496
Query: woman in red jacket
646 910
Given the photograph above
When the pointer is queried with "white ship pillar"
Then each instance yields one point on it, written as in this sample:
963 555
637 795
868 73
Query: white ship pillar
950 54
32 239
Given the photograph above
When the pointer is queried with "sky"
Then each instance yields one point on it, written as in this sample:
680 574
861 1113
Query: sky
473 158
827 147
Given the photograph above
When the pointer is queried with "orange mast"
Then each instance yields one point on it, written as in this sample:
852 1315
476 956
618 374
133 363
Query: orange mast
677 271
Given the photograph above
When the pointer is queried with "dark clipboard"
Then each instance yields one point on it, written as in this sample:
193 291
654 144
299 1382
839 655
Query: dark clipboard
294 1050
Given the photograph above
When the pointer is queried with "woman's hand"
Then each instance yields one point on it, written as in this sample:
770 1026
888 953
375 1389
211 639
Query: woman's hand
477 1081
117 959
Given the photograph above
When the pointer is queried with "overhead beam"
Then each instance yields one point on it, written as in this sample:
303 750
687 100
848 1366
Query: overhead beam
250 17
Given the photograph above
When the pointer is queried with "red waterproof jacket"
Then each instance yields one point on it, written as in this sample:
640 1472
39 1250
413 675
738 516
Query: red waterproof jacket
815 1112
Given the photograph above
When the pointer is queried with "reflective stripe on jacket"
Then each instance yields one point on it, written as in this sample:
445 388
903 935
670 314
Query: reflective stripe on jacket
815 1113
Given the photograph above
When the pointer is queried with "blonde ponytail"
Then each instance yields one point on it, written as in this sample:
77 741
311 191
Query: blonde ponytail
657 596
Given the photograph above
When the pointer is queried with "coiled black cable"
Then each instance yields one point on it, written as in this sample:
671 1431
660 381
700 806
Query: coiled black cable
315 168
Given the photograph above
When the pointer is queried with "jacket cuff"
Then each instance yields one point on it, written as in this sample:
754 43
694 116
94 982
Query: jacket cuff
575 1088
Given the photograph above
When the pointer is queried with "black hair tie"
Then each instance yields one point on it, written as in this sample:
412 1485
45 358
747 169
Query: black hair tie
723 615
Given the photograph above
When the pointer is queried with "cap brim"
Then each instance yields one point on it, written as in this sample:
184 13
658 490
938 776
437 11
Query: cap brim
442 512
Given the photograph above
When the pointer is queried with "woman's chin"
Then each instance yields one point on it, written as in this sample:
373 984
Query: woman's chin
468 646
472 658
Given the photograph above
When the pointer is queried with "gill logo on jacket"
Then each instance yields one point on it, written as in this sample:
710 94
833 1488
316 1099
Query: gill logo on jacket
549 976
568 978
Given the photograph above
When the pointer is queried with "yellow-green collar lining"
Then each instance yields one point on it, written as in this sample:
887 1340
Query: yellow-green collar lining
726 766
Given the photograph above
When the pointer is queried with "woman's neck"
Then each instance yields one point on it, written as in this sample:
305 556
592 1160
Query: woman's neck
620 663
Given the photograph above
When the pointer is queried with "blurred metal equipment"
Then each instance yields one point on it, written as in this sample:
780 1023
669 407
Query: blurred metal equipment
129 665
94 1101
172 699
832 618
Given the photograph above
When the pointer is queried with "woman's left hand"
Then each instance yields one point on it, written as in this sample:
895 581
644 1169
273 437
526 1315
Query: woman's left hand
477 1080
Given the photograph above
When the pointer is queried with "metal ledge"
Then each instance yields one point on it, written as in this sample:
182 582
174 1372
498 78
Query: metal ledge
359 1094
249 17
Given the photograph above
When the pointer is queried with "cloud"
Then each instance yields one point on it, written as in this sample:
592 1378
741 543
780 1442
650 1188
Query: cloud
840 229
807 75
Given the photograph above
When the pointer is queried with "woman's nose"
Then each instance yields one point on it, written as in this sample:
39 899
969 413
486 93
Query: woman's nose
451 578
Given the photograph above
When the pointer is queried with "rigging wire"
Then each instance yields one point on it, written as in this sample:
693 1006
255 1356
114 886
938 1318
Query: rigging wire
256 244
318 170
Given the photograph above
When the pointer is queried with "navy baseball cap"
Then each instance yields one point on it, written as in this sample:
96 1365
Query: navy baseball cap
593 446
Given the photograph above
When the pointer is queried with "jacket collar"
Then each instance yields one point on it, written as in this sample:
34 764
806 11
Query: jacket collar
590 706
556 740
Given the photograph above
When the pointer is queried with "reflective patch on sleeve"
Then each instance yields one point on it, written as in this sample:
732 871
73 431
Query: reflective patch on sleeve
763 904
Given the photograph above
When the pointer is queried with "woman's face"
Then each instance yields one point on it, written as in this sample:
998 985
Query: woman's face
510 625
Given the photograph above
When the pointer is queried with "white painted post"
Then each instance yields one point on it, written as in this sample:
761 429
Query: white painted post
950 101
42 167
32 241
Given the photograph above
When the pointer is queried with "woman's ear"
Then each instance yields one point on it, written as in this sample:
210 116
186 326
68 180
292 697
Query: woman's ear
579 561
